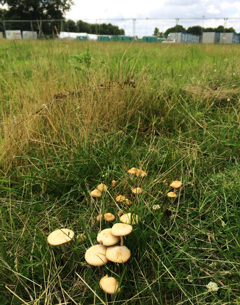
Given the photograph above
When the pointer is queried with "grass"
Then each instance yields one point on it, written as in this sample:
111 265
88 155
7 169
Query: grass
77 114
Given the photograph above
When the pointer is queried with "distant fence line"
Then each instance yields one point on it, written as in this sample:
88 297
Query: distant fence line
131 22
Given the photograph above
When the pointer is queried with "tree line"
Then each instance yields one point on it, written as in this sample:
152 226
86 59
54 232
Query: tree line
195 30
39 10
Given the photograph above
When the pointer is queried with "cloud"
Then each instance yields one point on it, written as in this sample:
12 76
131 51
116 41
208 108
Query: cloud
105 10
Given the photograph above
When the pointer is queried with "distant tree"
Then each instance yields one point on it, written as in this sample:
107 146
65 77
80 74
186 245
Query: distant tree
156 32
176 29
230 30
195 30
83 27
208 30
219 29
69 26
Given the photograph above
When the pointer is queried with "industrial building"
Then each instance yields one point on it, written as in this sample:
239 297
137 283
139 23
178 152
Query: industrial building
183 38
178 37
229 38
210 37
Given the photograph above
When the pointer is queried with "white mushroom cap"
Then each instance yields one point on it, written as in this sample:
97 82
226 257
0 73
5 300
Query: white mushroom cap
102 187
176 184
137 190
121 229
129 218
96 193
109 284
118 254
60 237
106 238
96 255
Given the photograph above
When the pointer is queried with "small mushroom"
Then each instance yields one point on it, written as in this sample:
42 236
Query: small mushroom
172 195
98 217
60 237
96 193
96 255
132 171
137 191
109 284
114 183
141 173
120 198
176 184
102 187
128 202
106 238
129 218
118 254
109 217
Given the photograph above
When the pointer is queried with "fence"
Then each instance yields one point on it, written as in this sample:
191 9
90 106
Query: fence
132 26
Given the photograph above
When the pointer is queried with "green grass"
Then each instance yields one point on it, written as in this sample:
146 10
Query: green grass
78 114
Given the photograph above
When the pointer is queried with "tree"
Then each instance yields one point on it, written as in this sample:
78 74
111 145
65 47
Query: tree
37 10
69 26
176 29
156 32
195 30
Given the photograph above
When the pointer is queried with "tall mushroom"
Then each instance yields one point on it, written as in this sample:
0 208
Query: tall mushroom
121 229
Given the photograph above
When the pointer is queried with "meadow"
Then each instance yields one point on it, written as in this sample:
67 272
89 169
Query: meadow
76 114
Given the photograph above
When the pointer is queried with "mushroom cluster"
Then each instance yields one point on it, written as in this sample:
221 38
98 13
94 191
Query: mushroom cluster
175 185
107 250
110 245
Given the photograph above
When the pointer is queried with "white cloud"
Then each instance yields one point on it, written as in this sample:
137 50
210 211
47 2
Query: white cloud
105 10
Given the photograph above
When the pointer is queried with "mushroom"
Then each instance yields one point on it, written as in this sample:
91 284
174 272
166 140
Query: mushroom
118 254
109 217
96 193
141 173
137 190
176 185
132 171
98 217
109 284
60 237
129 218
172 195
96 255
106 238
120 198
128 202
102 187
121 229
114 183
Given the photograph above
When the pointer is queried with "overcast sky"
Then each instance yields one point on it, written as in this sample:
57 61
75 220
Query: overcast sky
105 10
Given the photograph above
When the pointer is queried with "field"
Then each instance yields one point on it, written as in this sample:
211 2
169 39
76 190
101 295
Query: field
77 114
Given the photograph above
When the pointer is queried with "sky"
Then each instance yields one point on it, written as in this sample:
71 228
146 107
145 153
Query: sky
210 13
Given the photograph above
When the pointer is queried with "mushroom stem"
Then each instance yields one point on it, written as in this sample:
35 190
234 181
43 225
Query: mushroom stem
121 241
